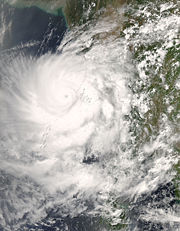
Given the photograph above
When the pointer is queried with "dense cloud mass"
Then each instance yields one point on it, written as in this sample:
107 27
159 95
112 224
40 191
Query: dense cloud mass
60 119
74 136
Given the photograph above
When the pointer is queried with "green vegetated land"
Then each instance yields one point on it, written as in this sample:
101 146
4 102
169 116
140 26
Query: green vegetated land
157 59
78 12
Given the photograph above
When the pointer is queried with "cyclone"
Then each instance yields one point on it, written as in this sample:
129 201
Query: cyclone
89 124
61 115
72 101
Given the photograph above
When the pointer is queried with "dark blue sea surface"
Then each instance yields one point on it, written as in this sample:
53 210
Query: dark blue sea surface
32 30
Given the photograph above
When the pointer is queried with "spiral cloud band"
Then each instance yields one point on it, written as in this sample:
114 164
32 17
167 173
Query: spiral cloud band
59 111
62 124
